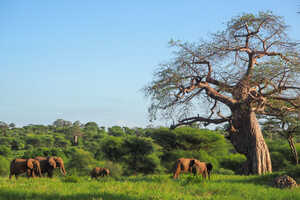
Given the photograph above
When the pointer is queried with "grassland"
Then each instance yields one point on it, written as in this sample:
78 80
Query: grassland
145 187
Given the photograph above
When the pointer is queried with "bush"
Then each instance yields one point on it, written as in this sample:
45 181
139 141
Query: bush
81 162
141 155
5 151
279 161
233 162
4 166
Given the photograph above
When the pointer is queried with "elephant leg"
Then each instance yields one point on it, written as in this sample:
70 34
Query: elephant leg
204 174
28 173
50 173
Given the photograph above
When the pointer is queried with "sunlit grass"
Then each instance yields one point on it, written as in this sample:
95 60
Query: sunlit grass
145 187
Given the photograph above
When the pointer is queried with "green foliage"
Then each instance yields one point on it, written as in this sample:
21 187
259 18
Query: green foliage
293 171
81 162
5 151
43 151
111 147
281 156
223 171
145 151
116 131
187 142
233 162
4 166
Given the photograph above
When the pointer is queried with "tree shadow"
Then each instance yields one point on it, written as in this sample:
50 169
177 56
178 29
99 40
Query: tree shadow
263 180
13 195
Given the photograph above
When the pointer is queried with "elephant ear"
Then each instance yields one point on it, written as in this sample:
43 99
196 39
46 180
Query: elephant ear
51 162
29 163
192 162
209 166
59 160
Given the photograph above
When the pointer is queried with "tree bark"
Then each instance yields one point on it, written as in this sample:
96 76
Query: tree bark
293 148
247 138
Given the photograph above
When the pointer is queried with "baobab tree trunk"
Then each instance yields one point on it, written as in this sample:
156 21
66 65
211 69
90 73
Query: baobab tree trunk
247 138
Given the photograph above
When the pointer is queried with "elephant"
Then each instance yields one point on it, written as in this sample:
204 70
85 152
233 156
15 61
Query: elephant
182 165
201 168
48 164
99 171
30 166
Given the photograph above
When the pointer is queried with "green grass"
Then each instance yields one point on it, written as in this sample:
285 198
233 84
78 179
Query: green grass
145 187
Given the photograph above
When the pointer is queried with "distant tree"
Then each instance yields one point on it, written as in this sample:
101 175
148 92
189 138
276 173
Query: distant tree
12 125
62 123
77 123
81 161
250 68
111 147
140 155
116 131
3 128
91 126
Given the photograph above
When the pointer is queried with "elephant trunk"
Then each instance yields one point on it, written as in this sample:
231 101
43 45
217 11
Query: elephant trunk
39 171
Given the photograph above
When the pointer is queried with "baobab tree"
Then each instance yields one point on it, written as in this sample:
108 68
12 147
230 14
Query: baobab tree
250 68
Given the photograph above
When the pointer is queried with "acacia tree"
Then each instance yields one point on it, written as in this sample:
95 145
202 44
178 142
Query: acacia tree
286 127
249 68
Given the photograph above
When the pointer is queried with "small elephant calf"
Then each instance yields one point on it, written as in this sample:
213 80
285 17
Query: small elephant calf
99 171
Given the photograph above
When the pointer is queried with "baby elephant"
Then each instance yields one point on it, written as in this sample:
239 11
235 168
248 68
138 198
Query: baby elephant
99 171
200 168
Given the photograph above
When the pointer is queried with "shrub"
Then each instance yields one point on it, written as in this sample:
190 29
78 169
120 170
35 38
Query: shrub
141 155
81 162
4 166
5 151
233 162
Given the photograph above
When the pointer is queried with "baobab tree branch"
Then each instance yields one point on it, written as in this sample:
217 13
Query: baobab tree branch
211 80
279 90
207 121
288 100
210 91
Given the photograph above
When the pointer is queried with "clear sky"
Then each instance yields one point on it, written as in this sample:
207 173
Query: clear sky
87 60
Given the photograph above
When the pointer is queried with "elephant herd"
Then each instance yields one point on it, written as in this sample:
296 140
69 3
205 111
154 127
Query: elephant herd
41 165
36 166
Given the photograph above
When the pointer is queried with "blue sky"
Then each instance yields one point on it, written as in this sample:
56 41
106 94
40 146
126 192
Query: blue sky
88 60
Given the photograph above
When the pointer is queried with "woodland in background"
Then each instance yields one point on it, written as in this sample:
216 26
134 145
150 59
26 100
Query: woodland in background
130 151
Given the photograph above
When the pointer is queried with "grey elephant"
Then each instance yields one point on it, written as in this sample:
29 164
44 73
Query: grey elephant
30 166
99 171
48 164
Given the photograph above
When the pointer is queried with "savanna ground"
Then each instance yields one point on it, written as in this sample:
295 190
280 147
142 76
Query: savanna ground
145 187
